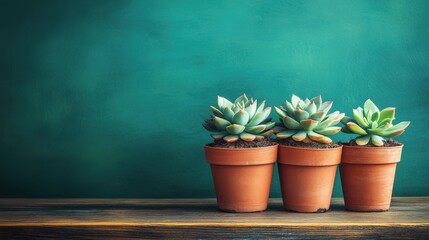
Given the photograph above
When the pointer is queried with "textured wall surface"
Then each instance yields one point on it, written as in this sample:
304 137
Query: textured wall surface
106 98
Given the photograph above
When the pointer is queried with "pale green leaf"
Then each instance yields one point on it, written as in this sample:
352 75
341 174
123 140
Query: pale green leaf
241 117
235 128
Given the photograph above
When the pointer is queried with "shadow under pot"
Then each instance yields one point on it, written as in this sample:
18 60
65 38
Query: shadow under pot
367 177
242 176
307 177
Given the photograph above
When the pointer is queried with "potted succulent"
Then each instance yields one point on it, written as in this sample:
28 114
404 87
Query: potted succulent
242 155
369 162
308 158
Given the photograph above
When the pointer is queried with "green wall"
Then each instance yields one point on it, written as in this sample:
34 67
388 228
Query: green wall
106 98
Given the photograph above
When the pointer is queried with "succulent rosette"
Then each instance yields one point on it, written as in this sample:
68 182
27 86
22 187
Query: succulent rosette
373 125
307 120
244 119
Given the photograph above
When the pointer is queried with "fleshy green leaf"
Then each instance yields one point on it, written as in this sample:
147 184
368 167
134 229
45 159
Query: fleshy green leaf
223 102
309 124
260 107
325 106
307 140
394 134
218 136
359 118
363 140
333 115
329 130
235 108
301 104
356 128
299 136
368 115
242 117
395 130
295 100
399 126
379 130
216 112
220 123
360 111
318 101
235 129
242 98
330 121
259 117
255 129
247 137
231 138
267 133
318 116
290 123
307 101
375 116
370 106
290 109
377 140
285 134
311 108
384 121
251 109
314 136
300 114
228 114
387 113
280 112
270 125
325 140
373 125
267 120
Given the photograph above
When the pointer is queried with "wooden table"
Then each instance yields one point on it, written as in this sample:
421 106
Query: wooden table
199 218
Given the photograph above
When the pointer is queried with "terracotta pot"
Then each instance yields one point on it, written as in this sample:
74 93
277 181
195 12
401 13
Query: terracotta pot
307 177
242 176
367 176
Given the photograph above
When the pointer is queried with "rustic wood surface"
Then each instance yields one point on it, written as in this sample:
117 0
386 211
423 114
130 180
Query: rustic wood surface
408 218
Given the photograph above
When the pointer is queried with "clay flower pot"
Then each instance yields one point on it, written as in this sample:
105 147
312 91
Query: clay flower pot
242 176
307 177
367 176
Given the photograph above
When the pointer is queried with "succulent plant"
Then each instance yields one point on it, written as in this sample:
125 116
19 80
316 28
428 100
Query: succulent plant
372 124
244 119
307 120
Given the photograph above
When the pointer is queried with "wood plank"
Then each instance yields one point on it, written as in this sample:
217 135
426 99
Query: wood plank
199 218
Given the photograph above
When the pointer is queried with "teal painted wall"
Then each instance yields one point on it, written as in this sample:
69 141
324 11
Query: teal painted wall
106 98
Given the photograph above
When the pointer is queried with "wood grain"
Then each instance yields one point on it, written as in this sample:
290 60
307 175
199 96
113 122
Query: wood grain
199 218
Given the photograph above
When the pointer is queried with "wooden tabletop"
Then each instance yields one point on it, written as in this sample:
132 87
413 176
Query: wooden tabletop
199 218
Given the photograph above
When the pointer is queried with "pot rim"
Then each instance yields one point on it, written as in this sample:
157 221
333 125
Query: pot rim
241 156
371 155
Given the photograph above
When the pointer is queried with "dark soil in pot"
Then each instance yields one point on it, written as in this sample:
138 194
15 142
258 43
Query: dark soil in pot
369 144
292 143
266 142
